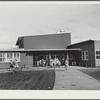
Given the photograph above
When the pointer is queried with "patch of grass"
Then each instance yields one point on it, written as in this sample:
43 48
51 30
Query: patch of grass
28 80
95 73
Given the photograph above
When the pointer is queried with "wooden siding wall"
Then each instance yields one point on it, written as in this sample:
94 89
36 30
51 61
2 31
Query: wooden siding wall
97 48
86 46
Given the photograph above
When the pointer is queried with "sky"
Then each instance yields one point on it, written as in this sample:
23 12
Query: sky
33 18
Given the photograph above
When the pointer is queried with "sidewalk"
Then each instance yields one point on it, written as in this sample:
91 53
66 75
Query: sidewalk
73 79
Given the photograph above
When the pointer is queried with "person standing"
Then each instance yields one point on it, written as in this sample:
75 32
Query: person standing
11 65
15 64
66 64
51 63
38 62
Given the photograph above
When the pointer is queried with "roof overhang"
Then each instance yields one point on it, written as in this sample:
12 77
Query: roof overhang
77 49
34 50
12 50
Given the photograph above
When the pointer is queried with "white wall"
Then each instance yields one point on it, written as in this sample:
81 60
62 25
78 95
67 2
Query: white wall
97 48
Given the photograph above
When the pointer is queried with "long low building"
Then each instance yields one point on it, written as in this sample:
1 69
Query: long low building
34 49
29 57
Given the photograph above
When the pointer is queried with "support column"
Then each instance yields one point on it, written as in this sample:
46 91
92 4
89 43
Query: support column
67 57
49 58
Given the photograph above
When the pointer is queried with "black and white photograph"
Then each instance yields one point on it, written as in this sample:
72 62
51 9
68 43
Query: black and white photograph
49 46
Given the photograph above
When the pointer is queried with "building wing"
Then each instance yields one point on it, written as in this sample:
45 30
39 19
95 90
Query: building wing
50 41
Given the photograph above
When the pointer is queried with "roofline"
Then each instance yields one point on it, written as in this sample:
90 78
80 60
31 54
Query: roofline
46 34
82 42
12 49
77 49
27 50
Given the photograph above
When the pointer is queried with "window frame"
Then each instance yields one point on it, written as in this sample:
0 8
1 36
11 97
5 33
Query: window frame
10 56
85 55
97 54
2 57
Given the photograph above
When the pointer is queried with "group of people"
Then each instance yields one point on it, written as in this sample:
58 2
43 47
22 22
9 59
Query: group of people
41 63
56 62
53 63
13 64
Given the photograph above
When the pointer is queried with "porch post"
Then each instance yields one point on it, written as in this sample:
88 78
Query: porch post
49 58
67 57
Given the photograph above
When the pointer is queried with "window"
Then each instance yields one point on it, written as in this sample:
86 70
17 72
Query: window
9 56
84 55
6 57
97 54
17 56
2 57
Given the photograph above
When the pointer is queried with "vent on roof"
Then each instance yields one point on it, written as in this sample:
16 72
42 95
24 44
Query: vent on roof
61 31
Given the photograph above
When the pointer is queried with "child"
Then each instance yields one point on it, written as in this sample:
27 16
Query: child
66 64
15 64
11 65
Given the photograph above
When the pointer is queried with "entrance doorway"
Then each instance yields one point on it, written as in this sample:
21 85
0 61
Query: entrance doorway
60 58
46 59
41 60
